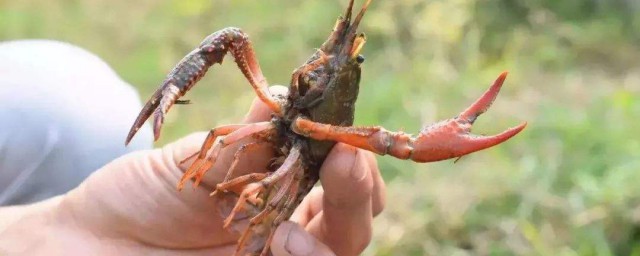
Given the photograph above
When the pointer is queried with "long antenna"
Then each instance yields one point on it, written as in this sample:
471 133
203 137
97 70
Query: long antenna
356 22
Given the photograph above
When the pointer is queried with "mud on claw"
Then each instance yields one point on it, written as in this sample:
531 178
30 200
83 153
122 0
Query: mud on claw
317 112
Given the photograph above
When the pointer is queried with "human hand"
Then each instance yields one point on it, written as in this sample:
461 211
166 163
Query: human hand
131 206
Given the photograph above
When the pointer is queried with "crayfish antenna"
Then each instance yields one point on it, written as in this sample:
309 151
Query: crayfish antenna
344 31
347 13
352 44
356 21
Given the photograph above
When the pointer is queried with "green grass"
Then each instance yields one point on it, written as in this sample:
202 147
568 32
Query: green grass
568 185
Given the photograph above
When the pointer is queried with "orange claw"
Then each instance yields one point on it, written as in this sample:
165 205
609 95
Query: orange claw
443 140
451 138
484 102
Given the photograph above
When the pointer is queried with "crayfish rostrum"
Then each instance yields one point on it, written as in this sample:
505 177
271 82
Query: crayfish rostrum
317 112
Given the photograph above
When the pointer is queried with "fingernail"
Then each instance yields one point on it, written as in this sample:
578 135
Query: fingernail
358 172
299 242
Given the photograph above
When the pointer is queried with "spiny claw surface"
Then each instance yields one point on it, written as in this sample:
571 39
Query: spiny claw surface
484 102
452 138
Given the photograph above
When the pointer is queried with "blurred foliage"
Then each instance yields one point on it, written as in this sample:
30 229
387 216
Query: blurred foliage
566 186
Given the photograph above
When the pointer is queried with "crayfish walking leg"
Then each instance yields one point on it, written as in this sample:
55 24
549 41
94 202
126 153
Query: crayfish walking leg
252 186
444 140
233 134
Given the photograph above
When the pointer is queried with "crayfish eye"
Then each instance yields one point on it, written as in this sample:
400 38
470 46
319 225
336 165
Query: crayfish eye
360 59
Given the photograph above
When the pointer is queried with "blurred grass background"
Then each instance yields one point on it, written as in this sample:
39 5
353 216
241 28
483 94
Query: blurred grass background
568 185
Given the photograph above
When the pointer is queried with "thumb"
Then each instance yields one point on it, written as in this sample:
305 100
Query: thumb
292 240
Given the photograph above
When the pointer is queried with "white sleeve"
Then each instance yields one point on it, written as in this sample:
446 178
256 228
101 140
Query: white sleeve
63 114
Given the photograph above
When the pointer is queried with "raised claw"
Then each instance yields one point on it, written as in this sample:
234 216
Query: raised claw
484 102
452 138
145 113
193 67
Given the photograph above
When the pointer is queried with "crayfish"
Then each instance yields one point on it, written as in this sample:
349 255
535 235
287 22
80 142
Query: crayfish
317 112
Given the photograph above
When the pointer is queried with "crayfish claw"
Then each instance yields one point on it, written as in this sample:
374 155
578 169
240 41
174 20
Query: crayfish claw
452 138
476 142
440 141
151 105
158 105
158 120
484 102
